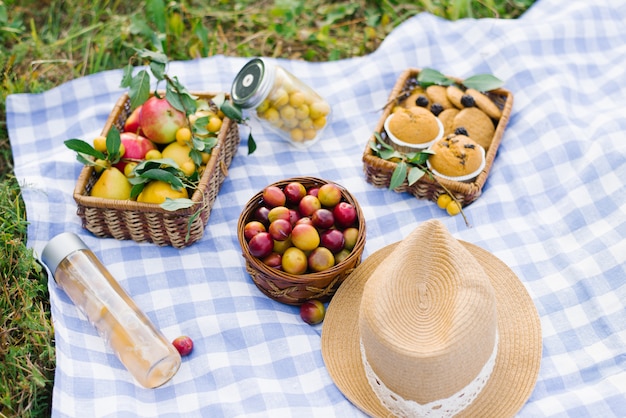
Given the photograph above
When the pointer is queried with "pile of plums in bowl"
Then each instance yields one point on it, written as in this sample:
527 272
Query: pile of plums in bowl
300 238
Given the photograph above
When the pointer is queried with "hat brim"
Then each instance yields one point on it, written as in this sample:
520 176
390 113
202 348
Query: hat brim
519 352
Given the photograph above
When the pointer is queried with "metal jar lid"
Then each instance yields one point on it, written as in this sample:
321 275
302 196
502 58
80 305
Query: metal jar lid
59 247
253 83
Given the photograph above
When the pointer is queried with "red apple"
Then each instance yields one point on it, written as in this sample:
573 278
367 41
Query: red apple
345 215
159 120
132 123
136 147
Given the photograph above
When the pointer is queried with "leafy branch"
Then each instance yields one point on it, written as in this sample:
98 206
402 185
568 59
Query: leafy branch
410 167
428 77
176 94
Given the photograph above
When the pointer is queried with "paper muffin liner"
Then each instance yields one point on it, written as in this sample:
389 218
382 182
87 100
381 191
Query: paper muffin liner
466 178
402 146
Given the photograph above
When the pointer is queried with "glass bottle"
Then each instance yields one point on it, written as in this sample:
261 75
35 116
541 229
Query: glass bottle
142 348
281 102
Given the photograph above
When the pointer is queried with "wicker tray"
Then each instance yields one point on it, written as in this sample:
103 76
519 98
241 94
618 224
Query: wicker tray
296 289
378 171
148 222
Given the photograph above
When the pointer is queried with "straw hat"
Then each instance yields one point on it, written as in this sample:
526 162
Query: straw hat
432 326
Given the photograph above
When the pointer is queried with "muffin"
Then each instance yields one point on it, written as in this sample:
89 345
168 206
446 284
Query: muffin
413 128
457 157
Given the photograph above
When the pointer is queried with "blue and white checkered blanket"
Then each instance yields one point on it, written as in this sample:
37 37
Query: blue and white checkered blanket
553 209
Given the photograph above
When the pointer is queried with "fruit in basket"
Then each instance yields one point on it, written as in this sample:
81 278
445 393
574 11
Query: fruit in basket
135 148
112 184
312 312
278 212
294 261
308 205
333 239
294 192
305 237
252 228
132 122
261 245
320 259
280 229
350 236
274 260
308 236
274 196
329 195
177 152
323 219
345 214
157 191
159 120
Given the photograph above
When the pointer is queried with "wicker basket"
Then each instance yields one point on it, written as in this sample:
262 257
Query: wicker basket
296 289
148 222
378 171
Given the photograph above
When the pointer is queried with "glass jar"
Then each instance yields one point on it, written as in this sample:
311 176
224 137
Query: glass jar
281 102
142 348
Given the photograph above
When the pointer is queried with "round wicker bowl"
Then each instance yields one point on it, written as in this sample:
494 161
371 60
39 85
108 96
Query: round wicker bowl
296 289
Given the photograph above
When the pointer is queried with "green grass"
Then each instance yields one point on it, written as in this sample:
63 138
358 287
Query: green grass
44 43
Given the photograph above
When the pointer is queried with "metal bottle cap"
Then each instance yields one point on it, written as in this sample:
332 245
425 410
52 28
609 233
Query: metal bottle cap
253 83
59 247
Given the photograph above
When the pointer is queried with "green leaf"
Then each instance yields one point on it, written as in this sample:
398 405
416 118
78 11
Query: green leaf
157 163
398 176
127 76
219 99
415 173
136 189
155 56
199 126
139 90
113 144
196 156
251 144
420 158
231 111
163 175
483 82
172 97
156 13
429 76
175 204
83 147
158 70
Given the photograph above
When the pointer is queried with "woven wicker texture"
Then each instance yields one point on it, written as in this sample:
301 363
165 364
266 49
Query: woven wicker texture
297 289
378 171
148 222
